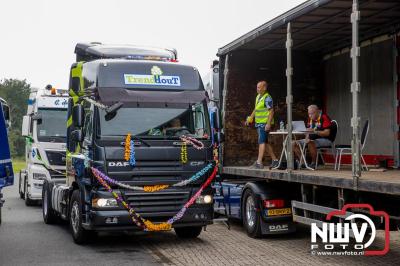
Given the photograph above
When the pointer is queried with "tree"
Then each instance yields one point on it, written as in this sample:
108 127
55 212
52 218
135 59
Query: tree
16 93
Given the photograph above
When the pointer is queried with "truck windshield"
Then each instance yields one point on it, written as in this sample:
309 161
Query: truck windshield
157 122
52 126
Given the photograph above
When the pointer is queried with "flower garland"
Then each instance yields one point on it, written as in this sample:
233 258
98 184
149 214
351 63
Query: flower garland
184 156
132 160
154 188
197 144
129 154
146 224
317 124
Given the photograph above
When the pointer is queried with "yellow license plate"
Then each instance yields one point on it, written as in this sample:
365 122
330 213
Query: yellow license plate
276 212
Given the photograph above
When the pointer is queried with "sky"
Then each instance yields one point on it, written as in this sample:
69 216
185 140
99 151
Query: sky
38 37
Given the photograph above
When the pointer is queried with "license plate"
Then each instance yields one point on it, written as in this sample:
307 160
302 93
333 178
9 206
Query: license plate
276 212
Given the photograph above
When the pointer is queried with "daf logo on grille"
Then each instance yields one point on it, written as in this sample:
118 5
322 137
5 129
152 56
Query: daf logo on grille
118 164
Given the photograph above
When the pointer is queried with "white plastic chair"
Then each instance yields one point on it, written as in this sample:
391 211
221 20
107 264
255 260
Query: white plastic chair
346 149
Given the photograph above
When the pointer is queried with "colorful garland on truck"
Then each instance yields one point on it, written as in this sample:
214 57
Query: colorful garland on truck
154 188
146 224
184 156
129 154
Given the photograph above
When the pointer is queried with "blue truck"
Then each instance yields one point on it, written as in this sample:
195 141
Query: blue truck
6 171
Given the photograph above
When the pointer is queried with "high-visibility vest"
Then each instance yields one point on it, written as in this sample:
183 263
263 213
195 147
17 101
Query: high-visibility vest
262 113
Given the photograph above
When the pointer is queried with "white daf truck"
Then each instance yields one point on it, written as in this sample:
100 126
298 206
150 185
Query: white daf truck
44 130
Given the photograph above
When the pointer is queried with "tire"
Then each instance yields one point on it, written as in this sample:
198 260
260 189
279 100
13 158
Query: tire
79 234
188 232
251 218
28 201
49 215
21 194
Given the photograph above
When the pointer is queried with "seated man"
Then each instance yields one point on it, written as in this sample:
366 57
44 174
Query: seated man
176 129
321 134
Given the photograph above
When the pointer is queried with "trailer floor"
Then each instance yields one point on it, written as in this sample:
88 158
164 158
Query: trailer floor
387 182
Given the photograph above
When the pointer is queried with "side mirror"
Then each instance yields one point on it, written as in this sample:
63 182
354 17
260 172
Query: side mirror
77 135
6 112
37 118
112 110
78 115
26 121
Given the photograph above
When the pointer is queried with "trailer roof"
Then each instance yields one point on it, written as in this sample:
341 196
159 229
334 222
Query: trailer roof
321 25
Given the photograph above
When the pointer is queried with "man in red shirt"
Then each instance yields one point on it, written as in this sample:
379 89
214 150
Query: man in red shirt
322 134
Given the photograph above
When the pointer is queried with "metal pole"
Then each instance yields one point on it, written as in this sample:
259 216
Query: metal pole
355 90
289 97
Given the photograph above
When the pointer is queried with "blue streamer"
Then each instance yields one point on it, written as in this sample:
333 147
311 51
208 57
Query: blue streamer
132 160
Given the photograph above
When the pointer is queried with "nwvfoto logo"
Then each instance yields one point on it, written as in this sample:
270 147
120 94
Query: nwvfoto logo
337 235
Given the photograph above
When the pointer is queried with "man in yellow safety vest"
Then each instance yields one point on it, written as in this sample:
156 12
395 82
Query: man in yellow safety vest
263 114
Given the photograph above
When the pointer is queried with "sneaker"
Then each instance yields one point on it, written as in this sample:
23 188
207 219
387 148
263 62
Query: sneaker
257 165
274 164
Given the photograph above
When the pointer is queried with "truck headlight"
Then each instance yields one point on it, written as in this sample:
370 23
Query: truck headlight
204 199
101 203
39 176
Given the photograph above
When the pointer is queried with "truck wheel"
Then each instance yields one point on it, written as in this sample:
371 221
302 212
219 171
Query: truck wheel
28 201
188 232
79 234
21 193
251 218
49 215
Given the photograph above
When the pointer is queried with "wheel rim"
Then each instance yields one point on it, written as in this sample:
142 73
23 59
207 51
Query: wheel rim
75 217
250 211
45 203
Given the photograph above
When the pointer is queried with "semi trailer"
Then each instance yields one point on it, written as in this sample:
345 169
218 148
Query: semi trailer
342 56
43 127
139 152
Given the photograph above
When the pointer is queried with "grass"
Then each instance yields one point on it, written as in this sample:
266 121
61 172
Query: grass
18 164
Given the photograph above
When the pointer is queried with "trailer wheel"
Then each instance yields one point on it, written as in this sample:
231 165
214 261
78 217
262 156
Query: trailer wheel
79 234
28 201
251 218
49 215
188 232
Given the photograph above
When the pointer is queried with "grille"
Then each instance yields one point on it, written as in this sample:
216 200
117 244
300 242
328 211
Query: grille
167 201
56 157
57 174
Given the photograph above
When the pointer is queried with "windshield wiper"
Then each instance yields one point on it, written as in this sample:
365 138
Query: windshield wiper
141 140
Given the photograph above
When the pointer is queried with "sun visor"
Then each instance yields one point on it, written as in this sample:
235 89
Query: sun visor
112 95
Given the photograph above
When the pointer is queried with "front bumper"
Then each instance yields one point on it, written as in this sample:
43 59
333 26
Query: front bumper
194 216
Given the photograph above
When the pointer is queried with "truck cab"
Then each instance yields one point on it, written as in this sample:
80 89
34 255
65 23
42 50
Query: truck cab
155 101
44 129
6 170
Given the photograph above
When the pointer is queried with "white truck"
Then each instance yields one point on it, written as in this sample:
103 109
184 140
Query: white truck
44 129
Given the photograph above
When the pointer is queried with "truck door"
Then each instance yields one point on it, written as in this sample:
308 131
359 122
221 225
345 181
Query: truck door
6 171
